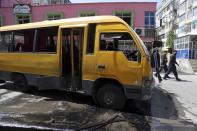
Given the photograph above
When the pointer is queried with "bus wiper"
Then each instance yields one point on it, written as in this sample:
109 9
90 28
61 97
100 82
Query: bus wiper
102 124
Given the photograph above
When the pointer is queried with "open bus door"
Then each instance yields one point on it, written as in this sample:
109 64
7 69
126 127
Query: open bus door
72 43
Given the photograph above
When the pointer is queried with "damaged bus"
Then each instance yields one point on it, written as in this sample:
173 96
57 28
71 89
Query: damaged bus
100 56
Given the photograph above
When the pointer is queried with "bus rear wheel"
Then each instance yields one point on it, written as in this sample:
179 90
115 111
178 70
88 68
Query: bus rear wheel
110 96
20 83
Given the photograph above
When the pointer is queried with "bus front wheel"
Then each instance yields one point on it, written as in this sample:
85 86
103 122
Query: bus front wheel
20 83
110 96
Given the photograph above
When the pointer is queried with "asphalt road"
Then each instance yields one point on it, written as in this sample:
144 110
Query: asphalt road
59 110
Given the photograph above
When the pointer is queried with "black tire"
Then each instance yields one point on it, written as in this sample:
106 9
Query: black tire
21 83
2 81
110 96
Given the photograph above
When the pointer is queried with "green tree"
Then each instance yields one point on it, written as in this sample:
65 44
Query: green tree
170 39
156 36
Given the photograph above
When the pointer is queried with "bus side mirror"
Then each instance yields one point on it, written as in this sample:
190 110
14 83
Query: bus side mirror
138 57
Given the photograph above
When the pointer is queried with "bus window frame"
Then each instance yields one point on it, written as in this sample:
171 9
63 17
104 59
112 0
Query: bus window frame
11 46
35 42
34 47
10 41
136 41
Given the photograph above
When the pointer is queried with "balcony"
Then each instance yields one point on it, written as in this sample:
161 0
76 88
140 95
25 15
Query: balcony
149 33
161 30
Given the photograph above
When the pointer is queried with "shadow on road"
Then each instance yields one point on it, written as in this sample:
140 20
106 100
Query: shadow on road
76 116
181 80
162 105
79 111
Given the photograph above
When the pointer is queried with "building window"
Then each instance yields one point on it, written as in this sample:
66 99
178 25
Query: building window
182 43
187 27
149 33
149 20
182 18
194 25
1 20
181 30
53 15
87 13
23 18
127 16
195 12
189 14
182 8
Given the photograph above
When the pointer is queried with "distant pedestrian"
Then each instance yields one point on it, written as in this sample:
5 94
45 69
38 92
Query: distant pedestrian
172 66
164 61
157 63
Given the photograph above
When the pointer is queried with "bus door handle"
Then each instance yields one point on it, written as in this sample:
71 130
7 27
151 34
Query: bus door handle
101 66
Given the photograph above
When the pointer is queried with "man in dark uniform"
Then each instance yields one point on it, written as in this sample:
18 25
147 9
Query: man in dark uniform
164 62
172 66
157 64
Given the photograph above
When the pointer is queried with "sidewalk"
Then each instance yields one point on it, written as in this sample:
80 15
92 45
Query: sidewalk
185 92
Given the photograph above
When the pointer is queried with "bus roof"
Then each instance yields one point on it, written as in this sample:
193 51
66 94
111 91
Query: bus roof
69 21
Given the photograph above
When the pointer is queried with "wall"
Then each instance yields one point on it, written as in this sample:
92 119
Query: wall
71 10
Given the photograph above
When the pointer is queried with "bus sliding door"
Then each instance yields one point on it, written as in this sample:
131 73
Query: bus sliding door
72 43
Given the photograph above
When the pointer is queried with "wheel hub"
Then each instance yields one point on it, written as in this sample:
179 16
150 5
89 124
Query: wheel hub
108 99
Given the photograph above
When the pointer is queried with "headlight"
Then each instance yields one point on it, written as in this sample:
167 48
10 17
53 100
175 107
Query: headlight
147 80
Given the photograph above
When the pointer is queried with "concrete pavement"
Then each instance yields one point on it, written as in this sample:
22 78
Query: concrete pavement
184 92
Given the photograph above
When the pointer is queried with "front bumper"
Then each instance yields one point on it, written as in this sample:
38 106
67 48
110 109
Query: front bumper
147 90
140 93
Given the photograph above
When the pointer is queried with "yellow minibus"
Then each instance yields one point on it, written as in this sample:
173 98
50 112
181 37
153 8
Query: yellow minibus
99 56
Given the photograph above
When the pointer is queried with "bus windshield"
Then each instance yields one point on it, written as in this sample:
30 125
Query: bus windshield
142 43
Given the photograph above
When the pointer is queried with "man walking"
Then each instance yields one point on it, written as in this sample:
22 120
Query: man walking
164 62
157 64
172 66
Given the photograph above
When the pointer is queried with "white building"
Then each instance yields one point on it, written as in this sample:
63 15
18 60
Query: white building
184 14
186 42
165 19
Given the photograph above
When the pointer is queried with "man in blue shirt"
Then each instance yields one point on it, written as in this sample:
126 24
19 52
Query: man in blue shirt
164 62
172 66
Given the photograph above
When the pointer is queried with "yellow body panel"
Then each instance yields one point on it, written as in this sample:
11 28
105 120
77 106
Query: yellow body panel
42 64
119 68
116 63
